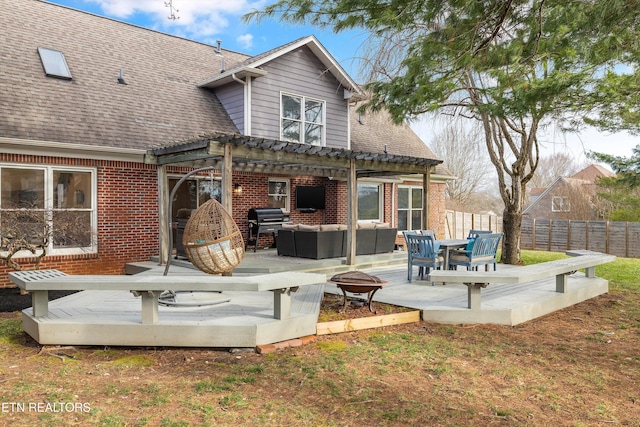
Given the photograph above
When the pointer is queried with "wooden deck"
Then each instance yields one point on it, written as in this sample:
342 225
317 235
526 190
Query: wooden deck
246 319
113 318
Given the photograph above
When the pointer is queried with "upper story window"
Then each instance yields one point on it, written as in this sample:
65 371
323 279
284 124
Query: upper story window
302 120
560 204
54 63
47 206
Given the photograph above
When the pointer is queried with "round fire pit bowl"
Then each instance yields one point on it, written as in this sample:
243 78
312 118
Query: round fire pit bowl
357 282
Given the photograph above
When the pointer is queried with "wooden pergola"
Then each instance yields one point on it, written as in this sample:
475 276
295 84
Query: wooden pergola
230 153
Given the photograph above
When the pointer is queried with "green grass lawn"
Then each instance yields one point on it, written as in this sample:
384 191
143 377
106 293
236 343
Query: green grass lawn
623 273
575 367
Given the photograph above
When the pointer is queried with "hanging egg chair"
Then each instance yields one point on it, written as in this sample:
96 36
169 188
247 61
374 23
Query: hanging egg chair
212 240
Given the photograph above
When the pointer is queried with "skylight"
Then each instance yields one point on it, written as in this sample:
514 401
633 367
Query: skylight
54 63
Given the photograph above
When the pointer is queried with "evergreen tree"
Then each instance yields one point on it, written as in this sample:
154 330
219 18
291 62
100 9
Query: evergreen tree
511 65
622 192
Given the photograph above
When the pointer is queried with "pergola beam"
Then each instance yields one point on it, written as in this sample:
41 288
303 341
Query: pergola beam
230 153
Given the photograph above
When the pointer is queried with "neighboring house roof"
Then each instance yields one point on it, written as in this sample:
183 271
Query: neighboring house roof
537 191
583 180
592 172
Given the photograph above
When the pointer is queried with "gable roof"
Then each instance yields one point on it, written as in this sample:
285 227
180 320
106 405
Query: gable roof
163 99
584 186
251 64
592 172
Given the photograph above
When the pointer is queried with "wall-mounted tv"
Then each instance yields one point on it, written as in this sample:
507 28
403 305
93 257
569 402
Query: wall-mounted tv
309 198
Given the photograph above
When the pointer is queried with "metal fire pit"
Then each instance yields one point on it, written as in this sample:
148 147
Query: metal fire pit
357 282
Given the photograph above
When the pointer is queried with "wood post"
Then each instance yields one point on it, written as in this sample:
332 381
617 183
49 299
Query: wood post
426 197
227 179
352 212
163 203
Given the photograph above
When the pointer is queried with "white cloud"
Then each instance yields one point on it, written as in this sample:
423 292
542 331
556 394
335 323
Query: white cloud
197 19
245 40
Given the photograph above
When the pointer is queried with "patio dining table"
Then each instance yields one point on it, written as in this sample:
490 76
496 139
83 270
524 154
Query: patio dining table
451 244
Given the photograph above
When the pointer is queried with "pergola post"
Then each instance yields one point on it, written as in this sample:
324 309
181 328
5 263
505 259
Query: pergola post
163 203
227 178
352 211
426 198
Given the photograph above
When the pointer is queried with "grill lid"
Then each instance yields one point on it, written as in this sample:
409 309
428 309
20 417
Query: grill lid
267 215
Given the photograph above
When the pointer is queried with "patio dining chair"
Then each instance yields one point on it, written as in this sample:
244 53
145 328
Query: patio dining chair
422 252
475 233
480 251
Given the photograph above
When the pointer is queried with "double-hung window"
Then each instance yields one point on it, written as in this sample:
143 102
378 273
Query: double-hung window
410 208
560 204
302 120
48 206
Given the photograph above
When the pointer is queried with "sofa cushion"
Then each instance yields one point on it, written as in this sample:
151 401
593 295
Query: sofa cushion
366 225
329 227
382 225
286 226
305 227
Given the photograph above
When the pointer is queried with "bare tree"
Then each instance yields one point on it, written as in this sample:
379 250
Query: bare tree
29 232
553 167
462 149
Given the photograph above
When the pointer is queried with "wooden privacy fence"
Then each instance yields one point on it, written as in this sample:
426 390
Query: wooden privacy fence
458 224
611 237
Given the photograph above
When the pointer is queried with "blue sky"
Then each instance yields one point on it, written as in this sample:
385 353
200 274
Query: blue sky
208 21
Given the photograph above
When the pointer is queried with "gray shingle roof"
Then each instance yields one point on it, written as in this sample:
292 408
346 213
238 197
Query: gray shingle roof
160 102
373 132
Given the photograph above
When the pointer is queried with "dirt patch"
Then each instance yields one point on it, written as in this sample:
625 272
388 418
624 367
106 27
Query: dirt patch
333 308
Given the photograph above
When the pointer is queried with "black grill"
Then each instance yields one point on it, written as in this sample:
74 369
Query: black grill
264 221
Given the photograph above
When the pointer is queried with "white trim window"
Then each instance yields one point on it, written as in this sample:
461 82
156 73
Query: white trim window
370 197
279 193
56 204
302 119
560 204
410 208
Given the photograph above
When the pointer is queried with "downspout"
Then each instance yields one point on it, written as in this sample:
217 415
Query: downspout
247 102
393 205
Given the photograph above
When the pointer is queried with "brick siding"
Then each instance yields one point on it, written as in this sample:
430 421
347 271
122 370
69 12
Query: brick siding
127 217
128 212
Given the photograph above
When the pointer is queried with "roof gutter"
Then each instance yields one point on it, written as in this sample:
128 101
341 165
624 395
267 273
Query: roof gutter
76 151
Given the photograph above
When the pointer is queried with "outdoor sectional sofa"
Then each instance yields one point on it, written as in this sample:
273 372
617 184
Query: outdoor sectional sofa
330 240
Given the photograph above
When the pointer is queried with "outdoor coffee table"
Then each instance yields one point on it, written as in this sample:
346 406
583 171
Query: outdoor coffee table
356 282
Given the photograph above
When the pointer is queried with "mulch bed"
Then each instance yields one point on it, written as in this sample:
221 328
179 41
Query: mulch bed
12 300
